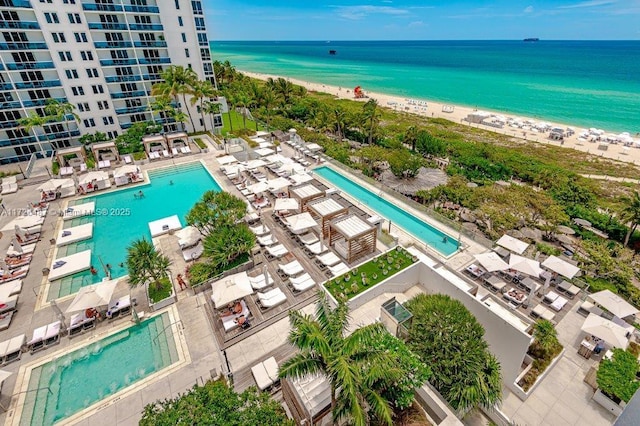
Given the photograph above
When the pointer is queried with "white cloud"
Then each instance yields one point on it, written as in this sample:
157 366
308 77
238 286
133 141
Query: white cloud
528 9
362 11
592 3
416 24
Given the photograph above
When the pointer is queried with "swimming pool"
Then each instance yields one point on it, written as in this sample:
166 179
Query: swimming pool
426 233
122 218
74 381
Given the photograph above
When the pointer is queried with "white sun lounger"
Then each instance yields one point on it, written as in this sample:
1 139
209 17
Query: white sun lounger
317 248
14 275
267 240
193 253
26 249
80 210
9 188
260 229
308 238
74 234
302 278
304 285
338 269
11 350
328 259
165 153
127 159
185 150
559 303
277 251
265 373
79 323
12 287
541 312
259 282
5 319
271 298
70 265
44 336
292 268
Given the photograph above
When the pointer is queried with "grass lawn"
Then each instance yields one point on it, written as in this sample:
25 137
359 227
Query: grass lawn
236 120
369 274
157 294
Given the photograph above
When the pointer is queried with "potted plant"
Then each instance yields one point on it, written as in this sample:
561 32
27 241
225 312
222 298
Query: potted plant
150 268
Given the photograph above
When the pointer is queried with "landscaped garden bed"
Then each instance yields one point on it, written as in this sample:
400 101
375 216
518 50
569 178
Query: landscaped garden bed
369 274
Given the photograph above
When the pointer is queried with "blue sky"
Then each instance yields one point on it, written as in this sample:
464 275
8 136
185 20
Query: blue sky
423 20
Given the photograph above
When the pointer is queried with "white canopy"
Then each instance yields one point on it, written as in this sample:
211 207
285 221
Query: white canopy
278 183
278 158
525 265
608 331
91 176
286 204
24 222
314 147
53 184
513 244
126 169
93 295
263 152
300 178
560 266
254 164
301 222
227 159
491 261
614 303
188 236
259 187
230 288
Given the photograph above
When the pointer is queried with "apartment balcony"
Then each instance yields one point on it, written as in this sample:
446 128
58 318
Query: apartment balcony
9 124
117 62
62 135
146 27
22 46
141 9
132 110
6 86
107 26
122 78
45 65
150 43
124 95
112 44
102 7
37 84
18 3
20 141
10 105
19 25
151 77
149 61
40 102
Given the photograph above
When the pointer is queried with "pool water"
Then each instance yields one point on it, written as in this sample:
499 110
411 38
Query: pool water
79 379
122 218
426 233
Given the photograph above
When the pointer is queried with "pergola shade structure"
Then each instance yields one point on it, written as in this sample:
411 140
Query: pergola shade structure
71 157
154 143
352 237
177 140
324 210
105 151
304 194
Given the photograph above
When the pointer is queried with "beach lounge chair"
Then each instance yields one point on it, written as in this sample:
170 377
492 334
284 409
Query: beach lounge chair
18 262
80 323
5 319
9 188
8 304
338 269
26 249
559 303
229 321
185 150
265 373
328 259
308 238
260 229
271 298
550 297
259 281
13 287
174 151
14 274
317 248
541 312
568 288
587 308
11 350
267 240
45 336
300 279
292 268
303 285
127 159
277 251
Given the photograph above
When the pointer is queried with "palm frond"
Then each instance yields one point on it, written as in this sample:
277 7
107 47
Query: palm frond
300 365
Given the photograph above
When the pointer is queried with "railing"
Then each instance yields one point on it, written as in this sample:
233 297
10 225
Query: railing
22 25
19 3
146 61
122 78
6 86
155 43
26 139
22 46
146 27
37 84
152 77
116 62
31 65
40 102
107 26
62 135
10 105
132 110
134 94
102 7
8 124
112 44
142 9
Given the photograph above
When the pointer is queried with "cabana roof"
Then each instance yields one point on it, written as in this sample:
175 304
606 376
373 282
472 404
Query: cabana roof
176 135
103 145
326 206
72 150
351 226
306 191
153 138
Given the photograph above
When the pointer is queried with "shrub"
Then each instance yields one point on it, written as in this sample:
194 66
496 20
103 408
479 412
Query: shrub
616 377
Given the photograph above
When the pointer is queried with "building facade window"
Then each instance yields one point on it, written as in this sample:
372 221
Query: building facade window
65 56
51 18
77 91
80 37
74 18
71 74
59 38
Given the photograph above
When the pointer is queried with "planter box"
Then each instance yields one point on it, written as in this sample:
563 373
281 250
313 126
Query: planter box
608 403
520 393
164 302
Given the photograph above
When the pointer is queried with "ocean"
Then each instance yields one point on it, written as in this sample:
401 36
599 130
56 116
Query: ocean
581 83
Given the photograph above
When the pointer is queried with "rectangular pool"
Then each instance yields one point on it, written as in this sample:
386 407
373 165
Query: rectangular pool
121 218
75 381
426 233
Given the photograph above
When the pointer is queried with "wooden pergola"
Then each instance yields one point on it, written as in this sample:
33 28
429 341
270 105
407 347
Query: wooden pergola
305 193
352 237
308 399
73 156
105 151
324 210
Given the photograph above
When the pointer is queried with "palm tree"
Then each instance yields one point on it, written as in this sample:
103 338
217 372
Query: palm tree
178 81
179 116
242 100
211 108
145 264
372 117
58 111
348 362
631 213
230 96
33 121
410 137
339 116
162 105
199 91
268 100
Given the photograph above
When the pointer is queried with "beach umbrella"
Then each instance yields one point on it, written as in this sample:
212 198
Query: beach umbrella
188 236
53 184
614 303
606 330
91 176
286 204
560 266
565 230
230 288
227 159
93 295
300 222
525 265
254 164
513 244
259 187
491 261
278 183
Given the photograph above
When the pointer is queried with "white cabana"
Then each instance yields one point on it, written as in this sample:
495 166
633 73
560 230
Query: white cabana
491 261
254 164
124 170
614 303
525 265
286 204
263 152
230 288
278 183
300 178
90 177
126 174
560 266
608 331
93 295
53 184
513 244
259 187
300 222
227 159
278 158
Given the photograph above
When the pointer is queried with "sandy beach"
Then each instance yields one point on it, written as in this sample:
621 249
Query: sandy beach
458 113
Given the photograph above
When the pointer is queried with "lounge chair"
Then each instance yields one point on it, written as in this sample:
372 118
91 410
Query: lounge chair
541 312
9 188
5 319
18 262
29 248
271 298
8 304
174 151
308 238
277 250
265 373
303 285
165 153
45 336
14 287
79 323
568 288
292 268
587 308
119 307
328 259
300 279
259 282
267 240
559 303
260 229
338 269
11 350
127 159
185 150
14 275
317 248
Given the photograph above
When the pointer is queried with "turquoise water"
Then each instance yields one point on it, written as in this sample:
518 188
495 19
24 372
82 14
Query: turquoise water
121 218
77 380
582 83
423 231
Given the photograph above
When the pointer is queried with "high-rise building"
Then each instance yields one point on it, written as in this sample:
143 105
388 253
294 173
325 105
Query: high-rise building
101 56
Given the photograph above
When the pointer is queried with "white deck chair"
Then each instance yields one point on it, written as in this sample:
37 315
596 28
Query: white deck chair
292 268
338 269
271 298
317 248
277 250
267 240
258 282
328 259
302 278
260 229
304 285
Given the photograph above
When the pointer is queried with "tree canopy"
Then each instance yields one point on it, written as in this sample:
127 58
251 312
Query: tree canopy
216 404
216 210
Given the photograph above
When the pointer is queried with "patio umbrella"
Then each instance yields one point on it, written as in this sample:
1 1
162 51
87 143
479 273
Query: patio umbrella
286 204
53 184
300 178
513 244
93 295
491 261
565 230
614 303
560 266
532 233
300 222
227 159
525 265
581 222
254 164
91 176
230 288
259 187
278 183
608 331
188 236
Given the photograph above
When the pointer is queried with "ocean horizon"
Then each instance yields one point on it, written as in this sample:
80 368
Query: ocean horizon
580 83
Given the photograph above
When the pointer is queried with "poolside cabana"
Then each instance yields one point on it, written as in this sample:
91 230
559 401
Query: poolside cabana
304 194
106 151
324 210
94 181
352 237
127 174
154 144
70 158
308 399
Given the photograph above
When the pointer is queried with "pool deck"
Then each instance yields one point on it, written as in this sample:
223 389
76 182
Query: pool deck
562 398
